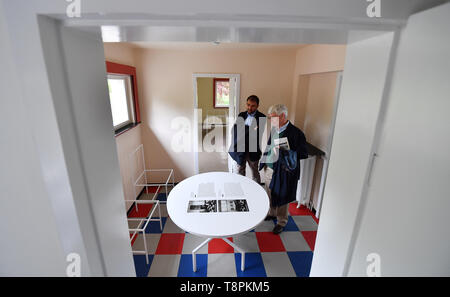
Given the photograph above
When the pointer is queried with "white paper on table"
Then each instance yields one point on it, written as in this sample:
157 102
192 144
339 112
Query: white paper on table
233 190
206 190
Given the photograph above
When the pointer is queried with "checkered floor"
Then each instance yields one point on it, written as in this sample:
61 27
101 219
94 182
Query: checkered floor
287 254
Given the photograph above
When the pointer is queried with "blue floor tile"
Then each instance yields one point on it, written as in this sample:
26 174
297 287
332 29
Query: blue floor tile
185 268
161 197
154 227
301 262
291 225
254 265
142 268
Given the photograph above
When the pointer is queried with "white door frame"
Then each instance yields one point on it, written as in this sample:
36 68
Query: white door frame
326 158
235 106
32 73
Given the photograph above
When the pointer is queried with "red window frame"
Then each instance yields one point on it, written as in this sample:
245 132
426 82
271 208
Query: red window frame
116 68
214 90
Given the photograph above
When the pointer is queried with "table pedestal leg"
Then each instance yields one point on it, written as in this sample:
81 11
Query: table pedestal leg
194 259
240 250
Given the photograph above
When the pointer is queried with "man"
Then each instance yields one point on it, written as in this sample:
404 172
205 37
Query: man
247 132
281 163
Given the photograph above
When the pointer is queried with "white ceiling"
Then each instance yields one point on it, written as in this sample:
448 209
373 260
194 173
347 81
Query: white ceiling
253 21
211 45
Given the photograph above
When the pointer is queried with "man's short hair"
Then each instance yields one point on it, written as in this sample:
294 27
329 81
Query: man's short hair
278 109
253 98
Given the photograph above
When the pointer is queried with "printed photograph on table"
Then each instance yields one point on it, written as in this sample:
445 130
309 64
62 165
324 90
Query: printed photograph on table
233 205
207 206
199 206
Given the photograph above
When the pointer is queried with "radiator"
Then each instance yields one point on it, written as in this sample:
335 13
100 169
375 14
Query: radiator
304 186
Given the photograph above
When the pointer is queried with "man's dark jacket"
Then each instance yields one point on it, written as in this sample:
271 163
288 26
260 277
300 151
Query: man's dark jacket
286 170
241 135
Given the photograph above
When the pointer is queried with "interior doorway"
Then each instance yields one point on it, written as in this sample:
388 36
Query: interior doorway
91 164
216 103
315 114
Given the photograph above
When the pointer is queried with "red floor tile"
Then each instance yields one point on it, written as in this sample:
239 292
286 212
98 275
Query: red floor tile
310 237
302 211
143 211
269 242
219 246
134 239
315 219
152 189
170 244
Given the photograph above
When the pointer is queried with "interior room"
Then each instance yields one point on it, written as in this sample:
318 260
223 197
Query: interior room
304 77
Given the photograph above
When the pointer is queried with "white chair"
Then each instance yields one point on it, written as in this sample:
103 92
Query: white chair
143 223
142 182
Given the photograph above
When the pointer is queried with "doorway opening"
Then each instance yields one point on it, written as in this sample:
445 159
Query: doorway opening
87 126
315 113
216 102
214 107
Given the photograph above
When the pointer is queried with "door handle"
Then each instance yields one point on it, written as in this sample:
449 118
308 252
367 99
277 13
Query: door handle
372 161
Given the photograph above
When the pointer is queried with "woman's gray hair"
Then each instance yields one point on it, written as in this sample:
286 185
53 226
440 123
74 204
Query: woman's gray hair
278 109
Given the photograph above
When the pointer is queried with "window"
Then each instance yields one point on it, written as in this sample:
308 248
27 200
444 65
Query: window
221 93
121 99
122 89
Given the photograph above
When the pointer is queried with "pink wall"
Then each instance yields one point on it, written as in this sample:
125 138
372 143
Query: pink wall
313 97
166 88
166 91
314 58
129 140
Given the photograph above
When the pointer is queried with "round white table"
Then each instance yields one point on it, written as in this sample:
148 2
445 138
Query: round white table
217 186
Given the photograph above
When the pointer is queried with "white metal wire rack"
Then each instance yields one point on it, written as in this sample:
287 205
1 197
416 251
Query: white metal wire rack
142 181
143 224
